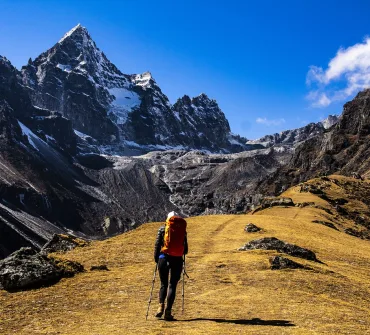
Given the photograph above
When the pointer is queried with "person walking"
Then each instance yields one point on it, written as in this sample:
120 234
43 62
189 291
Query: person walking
170 247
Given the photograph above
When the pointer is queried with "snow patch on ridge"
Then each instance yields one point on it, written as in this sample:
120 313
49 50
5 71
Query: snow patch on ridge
65 68
81 135
30 135
143 79
124 102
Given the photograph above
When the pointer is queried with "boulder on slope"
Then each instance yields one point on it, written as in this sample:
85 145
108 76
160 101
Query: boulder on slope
27 269
279 263
251 228
272 243
63 243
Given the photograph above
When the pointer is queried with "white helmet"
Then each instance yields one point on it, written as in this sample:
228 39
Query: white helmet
171 214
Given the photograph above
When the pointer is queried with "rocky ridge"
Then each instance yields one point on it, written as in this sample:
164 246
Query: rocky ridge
296 136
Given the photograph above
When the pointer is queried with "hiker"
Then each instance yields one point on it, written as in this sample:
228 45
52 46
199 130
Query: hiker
171 244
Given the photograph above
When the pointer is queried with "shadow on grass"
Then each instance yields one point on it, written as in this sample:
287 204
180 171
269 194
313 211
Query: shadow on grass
254 322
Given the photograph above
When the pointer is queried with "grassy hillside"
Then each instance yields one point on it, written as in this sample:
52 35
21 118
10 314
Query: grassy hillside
229 291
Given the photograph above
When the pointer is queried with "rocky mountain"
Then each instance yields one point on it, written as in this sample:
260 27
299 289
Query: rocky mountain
64 113
46 187
341 149
59 113
211 184
296 136
76 79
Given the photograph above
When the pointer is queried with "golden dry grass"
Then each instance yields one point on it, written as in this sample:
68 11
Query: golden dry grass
229 291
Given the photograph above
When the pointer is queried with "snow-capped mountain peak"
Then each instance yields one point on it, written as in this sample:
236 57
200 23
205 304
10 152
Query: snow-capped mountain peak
75 30
76 79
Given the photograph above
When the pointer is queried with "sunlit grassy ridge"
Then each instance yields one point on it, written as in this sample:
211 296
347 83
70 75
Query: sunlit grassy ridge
229 291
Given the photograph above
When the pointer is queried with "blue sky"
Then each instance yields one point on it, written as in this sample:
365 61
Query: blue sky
271 65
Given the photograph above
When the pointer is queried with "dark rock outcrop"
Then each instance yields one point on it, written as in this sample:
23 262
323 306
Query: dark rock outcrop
26 269
203 123
276 201
305 204
251 228
272 243
63 243
325 223
279 263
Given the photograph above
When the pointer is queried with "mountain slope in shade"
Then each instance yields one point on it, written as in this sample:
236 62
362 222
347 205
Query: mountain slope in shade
77 80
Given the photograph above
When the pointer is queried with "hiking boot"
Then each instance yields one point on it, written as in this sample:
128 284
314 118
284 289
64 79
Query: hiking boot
168 316
160 310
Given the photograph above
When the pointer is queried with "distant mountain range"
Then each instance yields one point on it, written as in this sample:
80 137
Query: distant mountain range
296 136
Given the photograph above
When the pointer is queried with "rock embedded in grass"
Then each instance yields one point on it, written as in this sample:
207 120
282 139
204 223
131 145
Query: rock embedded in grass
279 263
276 201
26 269
251 228
305 204
99 268
325 223
63 243
272 243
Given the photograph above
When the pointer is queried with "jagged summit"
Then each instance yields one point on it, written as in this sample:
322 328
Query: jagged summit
330 121
145 80
204 96
5 60
79 29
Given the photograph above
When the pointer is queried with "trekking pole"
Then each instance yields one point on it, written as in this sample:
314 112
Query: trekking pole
151 291
183 284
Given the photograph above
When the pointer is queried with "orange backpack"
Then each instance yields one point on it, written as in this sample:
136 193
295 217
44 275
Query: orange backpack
174 236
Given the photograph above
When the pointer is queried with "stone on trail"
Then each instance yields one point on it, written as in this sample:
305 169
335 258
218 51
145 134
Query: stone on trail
251 228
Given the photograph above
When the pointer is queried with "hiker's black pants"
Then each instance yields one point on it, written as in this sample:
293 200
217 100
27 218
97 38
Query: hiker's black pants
169 265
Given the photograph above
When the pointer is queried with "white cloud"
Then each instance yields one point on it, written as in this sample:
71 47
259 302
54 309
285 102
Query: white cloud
269 123
350 68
